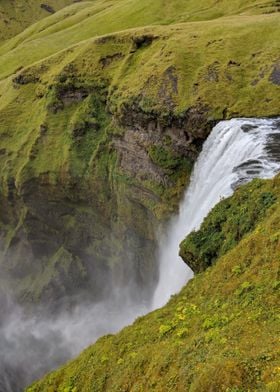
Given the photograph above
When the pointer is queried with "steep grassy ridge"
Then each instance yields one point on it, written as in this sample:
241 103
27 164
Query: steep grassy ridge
221 333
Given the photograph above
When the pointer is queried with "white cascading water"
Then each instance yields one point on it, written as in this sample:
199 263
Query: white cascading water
235 152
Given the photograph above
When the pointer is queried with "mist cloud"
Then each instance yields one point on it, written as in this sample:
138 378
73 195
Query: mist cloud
30 346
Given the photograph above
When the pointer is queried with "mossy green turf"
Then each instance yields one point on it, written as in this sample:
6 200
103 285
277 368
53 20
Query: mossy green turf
16 15
229 54
221 333
226 226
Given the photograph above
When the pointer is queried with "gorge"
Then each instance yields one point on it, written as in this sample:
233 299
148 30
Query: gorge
132 132
33 346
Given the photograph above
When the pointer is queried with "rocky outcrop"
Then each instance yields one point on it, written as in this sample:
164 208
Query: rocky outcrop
183 137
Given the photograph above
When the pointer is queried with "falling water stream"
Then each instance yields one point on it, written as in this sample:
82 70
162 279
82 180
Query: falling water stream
235 152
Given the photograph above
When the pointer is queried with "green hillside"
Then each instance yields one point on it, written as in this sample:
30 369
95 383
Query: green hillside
221 333
86 20
104 107
16 15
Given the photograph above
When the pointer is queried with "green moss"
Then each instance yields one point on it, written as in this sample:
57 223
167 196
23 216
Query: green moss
227 224
164 158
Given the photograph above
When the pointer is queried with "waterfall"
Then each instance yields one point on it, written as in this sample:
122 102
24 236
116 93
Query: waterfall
235 152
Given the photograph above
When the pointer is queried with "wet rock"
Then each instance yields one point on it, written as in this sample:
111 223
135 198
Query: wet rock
273 147
248 127
246 171
249 163
277 124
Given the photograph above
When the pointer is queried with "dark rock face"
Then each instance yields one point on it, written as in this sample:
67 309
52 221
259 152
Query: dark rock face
191 127
47 8
273 147
71 95
248 127
58 253
143 40
186 135
275 75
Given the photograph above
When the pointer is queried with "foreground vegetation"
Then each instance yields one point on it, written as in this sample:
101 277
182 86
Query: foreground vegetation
221 333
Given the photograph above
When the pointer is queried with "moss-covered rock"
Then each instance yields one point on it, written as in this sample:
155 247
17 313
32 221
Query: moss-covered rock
227 224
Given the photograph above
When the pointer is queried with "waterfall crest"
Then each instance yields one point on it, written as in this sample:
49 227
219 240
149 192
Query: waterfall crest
236 151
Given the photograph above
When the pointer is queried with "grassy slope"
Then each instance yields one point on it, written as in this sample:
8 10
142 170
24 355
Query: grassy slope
221 333
16 15
208 57
200 51
125 14
221 74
